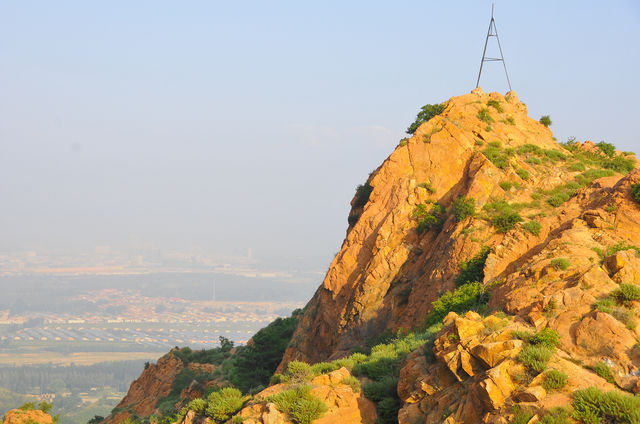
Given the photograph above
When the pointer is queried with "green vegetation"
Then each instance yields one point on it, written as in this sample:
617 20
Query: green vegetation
497 156
626 293
510 120
619 247
521 415
496 105
607 148
536 357
224 403
635 192
604 371
506 185
485 116
426 113
593 406
254 365
577 166
363 191
560 264
428 186
523 173
557 415
532 227
429 216
546 120
554 155
554 380
502 215
540 348
299 404
467 297
464 207
472 271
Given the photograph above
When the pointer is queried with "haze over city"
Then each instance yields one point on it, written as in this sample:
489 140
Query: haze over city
224 127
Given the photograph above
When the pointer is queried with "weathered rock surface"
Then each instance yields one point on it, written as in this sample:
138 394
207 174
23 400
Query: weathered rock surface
18 416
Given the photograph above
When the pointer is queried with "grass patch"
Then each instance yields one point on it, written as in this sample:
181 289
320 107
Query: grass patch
523 173
635 192
560 264
554 380
428 186
536 357
497 155
485 116
502 215
532 227
467 297
496 105
626 293
557 415
592 405
604 371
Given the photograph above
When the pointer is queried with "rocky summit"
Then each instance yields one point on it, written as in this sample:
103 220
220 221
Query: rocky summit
489 274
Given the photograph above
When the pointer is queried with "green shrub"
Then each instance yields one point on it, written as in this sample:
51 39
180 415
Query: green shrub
547 337
625 316
428 216
473 270
502 215
557 415
428 186
626 293
496 105
426 113
619 164
253 365
545 120
387 410
485 116
533 161
299 371
530 148
224 403
467 297
27 406
635 192
606 305
464 207
378 390
532 227
505 185
619 247
554 380
557 199
496 156
604 371
521 415
353 382
522 335
199 405
554 155
592 406
607 148
299 404
363 191
522 173
536 357
560 264
576 166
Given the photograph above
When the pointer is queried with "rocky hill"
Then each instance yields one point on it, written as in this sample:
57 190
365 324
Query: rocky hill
489 274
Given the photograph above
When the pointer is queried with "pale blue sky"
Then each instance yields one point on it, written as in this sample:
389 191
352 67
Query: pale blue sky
230 125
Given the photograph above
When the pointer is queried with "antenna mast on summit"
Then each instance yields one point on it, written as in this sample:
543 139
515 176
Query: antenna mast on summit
492 32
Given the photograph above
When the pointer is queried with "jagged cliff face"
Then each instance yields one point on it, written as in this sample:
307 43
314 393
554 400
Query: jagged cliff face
386 275
558 228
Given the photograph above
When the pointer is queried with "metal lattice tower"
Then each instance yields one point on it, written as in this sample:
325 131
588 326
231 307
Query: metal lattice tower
492 32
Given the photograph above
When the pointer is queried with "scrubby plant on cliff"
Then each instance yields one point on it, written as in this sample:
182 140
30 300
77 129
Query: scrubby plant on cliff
473 269
635 192
592 405
298 402
253 365
496 105
540 348
497 155
626 293
546 120
554 380
429 216
426 113
607 148
502 215
464 207
485 116
467 297
221 405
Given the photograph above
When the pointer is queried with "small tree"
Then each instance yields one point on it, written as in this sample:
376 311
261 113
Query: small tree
545 120
426 113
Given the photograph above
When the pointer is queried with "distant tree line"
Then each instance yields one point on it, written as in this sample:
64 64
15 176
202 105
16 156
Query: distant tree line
73 378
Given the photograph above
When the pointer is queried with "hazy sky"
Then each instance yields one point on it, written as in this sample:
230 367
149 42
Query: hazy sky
229 125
